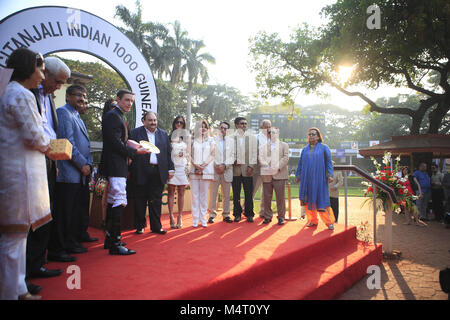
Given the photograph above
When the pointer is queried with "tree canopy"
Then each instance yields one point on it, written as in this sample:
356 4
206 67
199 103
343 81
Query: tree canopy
411 48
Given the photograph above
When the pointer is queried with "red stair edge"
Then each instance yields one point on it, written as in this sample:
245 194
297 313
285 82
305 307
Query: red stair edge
230 286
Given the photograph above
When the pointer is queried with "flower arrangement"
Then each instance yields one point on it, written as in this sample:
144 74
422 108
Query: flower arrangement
362 232
389 177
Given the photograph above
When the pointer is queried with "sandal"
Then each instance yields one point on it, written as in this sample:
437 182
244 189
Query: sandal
310 224
179 223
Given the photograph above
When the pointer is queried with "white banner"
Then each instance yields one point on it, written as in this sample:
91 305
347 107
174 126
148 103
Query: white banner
51 29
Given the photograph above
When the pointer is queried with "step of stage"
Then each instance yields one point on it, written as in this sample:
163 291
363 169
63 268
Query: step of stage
323 267
323 277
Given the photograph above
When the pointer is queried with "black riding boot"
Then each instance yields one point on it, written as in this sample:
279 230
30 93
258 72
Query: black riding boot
108 228
116 246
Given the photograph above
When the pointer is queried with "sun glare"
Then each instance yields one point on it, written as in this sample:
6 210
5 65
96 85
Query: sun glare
345 72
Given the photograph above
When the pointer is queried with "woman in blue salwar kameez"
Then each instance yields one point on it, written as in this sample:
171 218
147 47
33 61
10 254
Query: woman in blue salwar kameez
314 171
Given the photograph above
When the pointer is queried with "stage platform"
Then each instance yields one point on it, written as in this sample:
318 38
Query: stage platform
225 261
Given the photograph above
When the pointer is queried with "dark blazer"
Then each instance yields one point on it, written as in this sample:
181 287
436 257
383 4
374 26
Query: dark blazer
52 104
115 150
141 161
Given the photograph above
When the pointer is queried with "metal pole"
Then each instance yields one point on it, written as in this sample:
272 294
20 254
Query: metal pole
374 213
290 218
345 188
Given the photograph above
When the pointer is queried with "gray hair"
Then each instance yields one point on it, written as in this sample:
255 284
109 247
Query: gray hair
265 121
55 65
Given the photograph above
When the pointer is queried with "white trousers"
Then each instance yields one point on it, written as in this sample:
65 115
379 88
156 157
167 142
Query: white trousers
12 265
117 193
199 194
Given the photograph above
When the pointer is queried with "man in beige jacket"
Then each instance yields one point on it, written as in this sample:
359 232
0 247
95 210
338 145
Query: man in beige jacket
273 160
223 173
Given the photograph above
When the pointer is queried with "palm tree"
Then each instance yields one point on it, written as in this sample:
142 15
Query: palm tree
195 68
176 46
143 34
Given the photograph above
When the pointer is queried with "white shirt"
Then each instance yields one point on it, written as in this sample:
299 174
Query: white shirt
151 138
47 116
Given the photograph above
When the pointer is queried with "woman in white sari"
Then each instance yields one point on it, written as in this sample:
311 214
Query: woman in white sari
24 197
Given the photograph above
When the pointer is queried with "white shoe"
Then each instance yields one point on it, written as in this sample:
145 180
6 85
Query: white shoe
331 227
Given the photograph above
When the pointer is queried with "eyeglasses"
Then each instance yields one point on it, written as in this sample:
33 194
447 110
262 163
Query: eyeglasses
224 128
80 95
243 123
39 60
312 134
179 122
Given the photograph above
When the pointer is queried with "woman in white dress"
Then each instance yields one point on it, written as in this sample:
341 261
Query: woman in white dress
180 156
201 172
23 174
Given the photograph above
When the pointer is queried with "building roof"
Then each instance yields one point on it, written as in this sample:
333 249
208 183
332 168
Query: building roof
439 144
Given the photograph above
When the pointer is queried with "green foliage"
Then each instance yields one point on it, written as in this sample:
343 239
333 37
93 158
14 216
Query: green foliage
411 43
104 85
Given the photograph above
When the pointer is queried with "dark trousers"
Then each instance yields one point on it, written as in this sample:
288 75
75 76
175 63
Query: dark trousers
247 183
334 203
149 194
81 218
437 197
37 241
66 209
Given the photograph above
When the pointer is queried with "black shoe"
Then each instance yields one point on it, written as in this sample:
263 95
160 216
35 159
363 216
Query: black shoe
267 220
120 250
43 272
62 257
89 239
162 231
78 250
211 220
237 219
140 231
249 219
32 288
107 244
228 220
280 221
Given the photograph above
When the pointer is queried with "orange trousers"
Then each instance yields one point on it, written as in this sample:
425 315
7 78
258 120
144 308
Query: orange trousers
327 217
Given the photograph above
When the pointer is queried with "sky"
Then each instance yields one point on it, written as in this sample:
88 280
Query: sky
225 27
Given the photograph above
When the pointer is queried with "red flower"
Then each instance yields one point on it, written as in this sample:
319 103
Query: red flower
383 178
370 189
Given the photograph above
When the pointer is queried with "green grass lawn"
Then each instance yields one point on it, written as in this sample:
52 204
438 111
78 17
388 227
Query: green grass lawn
351 192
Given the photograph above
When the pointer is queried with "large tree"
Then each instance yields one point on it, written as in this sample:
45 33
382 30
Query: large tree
412 44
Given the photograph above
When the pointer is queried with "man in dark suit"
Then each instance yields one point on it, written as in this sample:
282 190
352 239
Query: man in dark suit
56 74
72 175
115 167
149 174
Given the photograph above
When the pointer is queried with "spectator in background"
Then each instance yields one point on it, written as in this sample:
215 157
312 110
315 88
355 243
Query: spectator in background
24 194
437 193
314 172
425 186
180 159
202 172
334 185
411 183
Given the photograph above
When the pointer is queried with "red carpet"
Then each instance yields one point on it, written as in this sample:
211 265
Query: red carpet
224 261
